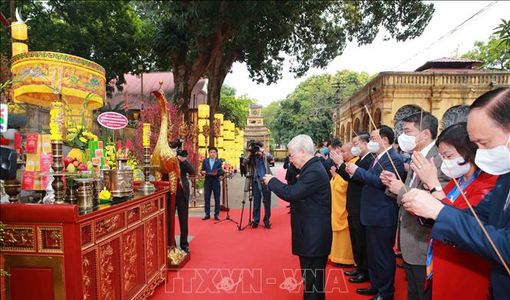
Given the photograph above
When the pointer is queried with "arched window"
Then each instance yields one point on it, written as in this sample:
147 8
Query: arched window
377 117
454 115
402 113
356 125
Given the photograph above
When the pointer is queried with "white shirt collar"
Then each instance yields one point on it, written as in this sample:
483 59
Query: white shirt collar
381 155
426 150
365 155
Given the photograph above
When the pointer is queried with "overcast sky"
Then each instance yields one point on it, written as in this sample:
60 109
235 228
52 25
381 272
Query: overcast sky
391 55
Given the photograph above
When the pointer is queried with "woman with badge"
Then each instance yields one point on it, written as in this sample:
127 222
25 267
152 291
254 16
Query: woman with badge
446 265
488 232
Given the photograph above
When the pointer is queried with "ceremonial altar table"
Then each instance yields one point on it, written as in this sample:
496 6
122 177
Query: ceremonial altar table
58 252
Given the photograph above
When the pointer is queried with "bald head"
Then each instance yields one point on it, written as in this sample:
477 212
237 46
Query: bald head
346 151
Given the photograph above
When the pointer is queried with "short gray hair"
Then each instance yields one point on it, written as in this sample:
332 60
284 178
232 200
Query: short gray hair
302 142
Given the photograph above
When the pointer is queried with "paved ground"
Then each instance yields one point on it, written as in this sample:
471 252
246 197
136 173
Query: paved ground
236 194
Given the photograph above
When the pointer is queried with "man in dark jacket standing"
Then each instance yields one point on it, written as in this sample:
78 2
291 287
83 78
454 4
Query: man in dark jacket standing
379 213
182 197
310 199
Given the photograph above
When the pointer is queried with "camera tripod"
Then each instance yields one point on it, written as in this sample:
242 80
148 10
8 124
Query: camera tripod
227 217
248 193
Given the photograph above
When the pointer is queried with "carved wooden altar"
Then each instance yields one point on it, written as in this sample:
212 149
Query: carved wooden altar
54 252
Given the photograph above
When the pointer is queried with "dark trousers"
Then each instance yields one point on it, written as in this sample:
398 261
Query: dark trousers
212 186
265 197
415 275
181 203
358 241
313 271
381 259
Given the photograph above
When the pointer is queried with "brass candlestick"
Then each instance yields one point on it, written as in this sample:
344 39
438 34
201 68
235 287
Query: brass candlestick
58 169
147 187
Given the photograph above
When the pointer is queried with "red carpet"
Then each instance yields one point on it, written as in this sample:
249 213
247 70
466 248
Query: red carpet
251 264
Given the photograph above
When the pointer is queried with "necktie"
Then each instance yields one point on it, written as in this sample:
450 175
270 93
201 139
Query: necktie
375 161
507 203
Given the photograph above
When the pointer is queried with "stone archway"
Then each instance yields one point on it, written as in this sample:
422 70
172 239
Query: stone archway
377 117
347 133
366 123
454 115
402 113
356 127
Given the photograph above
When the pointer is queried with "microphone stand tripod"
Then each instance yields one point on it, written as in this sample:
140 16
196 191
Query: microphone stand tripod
248 192
225 191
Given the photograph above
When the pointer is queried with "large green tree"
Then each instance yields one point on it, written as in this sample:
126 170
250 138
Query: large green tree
309 108
494 53
110 33
208 37
234 108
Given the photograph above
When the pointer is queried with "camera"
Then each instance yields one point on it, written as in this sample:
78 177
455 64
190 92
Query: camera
254 147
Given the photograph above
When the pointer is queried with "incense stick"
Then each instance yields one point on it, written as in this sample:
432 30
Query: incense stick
389 156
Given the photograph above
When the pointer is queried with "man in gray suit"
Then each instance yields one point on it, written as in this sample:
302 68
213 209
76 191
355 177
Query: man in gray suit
420 131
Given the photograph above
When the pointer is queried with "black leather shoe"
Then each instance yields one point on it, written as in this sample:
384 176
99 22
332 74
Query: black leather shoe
267 225
206 218
359 278
216 218
354 272
370 291
254 225
185 249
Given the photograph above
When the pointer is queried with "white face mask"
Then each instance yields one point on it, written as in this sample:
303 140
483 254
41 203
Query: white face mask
355 150
406 142
453 168
495 161
373 147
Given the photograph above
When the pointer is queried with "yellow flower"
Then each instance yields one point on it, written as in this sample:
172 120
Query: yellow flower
83 139
104 194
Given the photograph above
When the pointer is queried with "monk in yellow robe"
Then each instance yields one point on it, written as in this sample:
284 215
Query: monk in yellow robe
341 248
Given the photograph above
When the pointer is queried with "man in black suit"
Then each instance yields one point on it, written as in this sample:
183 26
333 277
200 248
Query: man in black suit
182 197
310 217
356 229
379 213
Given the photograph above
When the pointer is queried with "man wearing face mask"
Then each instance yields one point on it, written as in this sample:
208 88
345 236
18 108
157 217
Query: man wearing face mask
379 213
356 230
414 238
489 127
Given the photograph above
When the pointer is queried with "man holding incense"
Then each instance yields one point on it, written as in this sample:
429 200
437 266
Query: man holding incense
487 231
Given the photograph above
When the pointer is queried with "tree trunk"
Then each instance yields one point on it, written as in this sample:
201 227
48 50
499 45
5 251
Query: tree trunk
186 75
217 72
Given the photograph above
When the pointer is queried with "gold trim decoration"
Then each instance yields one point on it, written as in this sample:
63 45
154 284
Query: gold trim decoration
55 239
107 290
130 261
83 236
56 263
19 238
86 278
149 246
109 225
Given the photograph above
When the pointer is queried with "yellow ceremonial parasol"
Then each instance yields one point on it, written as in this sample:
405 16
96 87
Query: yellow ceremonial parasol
39 75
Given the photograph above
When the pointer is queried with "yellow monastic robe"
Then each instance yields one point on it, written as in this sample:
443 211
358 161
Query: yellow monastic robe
341 248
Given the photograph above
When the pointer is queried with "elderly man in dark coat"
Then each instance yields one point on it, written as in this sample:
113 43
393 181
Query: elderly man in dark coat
310 199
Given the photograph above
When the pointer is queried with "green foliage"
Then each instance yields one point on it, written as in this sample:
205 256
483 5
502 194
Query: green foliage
495 54
234 108
208 36
309 109
503 31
